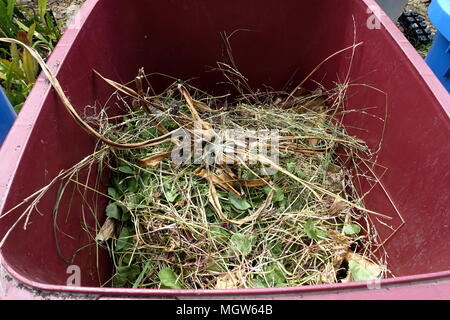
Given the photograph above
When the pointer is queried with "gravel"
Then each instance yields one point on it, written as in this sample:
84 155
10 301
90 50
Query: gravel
64 10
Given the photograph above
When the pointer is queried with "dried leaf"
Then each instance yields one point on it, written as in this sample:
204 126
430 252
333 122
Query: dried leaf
300 92
296 149
192 109
162 129
363 269
199 105
341 247
328 274
222 179
260 182
119 87
181 203
107 231
320 123
226 182
23 37
154 160
338 206
230 280
229 172
214 199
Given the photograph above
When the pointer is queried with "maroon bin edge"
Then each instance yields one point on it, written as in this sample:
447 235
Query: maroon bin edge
346 290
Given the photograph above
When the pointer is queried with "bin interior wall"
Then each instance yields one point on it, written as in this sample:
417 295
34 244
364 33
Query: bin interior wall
279 44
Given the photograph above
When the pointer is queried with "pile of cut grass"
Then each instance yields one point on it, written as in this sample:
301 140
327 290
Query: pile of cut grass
200 225
203 224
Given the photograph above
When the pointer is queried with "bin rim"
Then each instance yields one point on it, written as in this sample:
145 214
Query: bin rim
310 289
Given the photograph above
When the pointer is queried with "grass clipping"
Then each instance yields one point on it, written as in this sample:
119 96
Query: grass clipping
227 224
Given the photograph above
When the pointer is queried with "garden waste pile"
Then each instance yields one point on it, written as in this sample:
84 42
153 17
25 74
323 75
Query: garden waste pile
249 190
243 194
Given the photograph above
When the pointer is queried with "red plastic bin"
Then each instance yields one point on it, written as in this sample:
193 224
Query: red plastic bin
282 41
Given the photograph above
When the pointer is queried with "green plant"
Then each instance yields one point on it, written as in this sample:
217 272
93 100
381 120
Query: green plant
39 29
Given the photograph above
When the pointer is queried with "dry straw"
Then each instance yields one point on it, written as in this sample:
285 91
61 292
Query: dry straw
222 226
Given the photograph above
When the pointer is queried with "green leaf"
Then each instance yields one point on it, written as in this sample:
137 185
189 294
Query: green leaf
258 283
312 232
276 248
132 185
125 239
247 175
239 204
119 280
30 33
169 279
293 168
126 214
118 184
130 271
126 274
213 266
30 67
7 27
241 243
10 8
126 169
209 212
148 265
278 195
172 196
321 234
42 6
351 229
113 211
359 273
276 278
219 233
112 192
267 189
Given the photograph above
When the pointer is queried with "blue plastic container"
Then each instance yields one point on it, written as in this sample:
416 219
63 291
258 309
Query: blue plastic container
7 116
439 56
